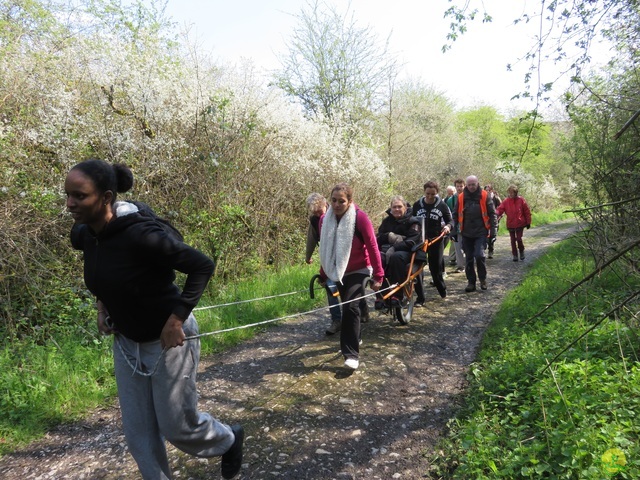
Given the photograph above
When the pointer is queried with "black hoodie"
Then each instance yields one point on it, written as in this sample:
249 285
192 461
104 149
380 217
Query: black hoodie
130 267
408 226
436 214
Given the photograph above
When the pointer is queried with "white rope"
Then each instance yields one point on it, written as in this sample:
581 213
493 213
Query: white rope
135 368
248 301
193 337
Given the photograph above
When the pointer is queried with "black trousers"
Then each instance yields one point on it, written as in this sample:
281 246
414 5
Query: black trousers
351 289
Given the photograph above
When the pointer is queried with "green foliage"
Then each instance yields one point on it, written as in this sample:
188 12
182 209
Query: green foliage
51 374
524 421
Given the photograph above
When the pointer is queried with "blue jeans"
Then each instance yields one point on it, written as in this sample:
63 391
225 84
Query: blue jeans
473 248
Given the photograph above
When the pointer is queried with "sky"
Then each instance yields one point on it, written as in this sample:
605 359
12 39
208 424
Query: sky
474 72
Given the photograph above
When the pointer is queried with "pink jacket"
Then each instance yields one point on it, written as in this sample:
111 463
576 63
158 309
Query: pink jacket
516 210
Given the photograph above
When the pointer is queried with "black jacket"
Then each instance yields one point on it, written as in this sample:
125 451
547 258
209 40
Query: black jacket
474 226
130 267
408 226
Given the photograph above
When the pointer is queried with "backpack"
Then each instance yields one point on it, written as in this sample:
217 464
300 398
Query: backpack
146 211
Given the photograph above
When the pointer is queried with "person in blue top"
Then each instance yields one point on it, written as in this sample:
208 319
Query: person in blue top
130 260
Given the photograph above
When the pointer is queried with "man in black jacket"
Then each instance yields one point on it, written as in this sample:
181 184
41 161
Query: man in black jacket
437 218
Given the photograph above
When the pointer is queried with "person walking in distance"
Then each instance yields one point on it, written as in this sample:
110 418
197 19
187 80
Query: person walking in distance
518 218
130 259
495 198
476 220
348 255
450 200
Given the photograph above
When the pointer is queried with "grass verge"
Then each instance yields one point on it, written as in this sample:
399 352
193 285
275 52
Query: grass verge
531 415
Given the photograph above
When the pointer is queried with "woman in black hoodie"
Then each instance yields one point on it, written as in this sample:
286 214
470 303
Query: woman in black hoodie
130 258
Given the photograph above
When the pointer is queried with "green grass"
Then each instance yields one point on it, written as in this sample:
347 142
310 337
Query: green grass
291 279
546 217
521 420
53 375
538 219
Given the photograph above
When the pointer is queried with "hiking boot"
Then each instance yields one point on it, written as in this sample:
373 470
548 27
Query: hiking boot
379 304
394 301
335 327
483 284
470 288
522 256
490 255
352 363
515 258
232 460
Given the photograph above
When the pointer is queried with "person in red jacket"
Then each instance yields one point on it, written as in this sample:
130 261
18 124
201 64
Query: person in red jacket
518 218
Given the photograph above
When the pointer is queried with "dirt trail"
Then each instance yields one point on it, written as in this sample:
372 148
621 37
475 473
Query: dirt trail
305 416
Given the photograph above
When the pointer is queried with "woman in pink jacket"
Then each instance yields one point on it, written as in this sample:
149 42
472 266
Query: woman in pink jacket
518 218
348 255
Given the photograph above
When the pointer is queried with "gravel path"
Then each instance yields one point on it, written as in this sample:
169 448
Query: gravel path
305 416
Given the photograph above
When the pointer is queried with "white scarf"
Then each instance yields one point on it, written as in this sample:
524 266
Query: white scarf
335 242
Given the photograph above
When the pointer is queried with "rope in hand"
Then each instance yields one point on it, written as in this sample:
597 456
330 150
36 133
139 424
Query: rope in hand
299 314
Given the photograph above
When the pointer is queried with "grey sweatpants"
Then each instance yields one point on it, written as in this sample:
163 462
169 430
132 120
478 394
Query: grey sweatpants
163 405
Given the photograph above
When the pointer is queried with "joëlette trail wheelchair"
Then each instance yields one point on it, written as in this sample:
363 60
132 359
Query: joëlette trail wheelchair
402 311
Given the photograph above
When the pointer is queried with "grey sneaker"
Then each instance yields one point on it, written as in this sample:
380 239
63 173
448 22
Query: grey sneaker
470 288
521 255
335 327
515 258
483 284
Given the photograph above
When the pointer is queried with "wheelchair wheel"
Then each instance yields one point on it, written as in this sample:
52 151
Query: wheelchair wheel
404 312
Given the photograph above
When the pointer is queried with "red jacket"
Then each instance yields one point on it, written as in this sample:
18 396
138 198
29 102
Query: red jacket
516 210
